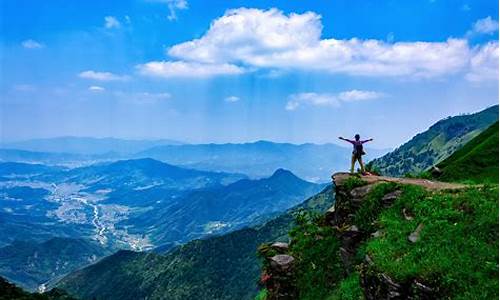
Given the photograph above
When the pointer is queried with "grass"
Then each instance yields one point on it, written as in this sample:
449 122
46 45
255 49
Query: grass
371 206
348 289
476 161
316 248
458 247
353 181
262 295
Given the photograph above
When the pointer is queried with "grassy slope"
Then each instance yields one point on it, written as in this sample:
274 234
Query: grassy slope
457 253
224 267
436 144
477 161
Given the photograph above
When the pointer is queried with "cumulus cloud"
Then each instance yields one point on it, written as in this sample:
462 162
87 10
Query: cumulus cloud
96 88
484 63
327 99
102 76
232 99
247 39
32 44
168 69
111 22
484 26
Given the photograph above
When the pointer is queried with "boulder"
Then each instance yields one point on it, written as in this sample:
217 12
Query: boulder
280 247
281 262
389 198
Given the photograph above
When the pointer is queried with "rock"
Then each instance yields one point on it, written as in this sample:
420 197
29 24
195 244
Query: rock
369 260
360 192
282 262
407 215
415 236
435 171
280 247
389 199
377 234
353 228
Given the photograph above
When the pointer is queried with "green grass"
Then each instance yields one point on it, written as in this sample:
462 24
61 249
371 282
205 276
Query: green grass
458 247
371 206
316 248
476 162
353 181
262 295
348 289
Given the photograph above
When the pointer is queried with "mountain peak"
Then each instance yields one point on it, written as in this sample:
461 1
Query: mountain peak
279 173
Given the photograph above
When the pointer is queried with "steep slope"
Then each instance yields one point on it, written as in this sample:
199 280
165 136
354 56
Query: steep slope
438 142
222 209
392 239
11 292
31 264
259 159
477 161
223 267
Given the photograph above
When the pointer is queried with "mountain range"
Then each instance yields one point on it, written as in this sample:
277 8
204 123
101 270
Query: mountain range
435 144
221 267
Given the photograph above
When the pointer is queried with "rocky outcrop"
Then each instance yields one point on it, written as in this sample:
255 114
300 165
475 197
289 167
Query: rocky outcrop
350 194
278 274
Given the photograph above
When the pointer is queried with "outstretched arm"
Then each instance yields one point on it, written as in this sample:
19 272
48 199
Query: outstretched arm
369 140
347 140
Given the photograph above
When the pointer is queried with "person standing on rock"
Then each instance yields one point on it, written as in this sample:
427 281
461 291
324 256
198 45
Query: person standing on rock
357 152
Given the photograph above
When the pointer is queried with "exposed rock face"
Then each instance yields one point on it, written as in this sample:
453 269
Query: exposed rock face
278 276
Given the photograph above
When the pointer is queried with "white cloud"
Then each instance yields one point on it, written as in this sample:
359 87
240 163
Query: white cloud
32 44
271 39
357 95
327 99
484 26
102 76
168 69
246 39
174 6
95 88
484 63
232 99
111 22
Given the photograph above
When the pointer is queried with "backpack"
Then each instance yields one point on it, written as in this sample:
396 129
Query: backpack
358 149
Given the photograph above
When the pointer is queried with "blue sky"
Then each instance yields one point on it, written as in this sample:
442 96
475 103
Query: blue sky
235 71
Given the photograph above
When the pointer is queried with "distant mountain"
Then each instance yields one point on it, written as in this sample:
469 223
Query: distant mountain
56 158
144 172
260 159
31 264
86 145
11 292
476 161
222 267
222 209
435 144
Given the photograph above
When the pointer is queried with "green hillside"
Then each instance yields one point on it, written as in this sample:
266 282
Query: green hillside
223 267
477 161
436 144
9 291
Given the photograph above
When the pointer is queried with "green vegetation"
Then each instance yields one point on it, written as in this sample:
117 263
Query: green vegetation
434 145
372 206
222 267
475 162
348 289
316 249
9 291
353 182
458 248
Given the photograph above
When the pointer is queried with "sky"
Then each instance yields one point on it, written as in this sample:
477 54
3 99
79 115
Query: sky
238 71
